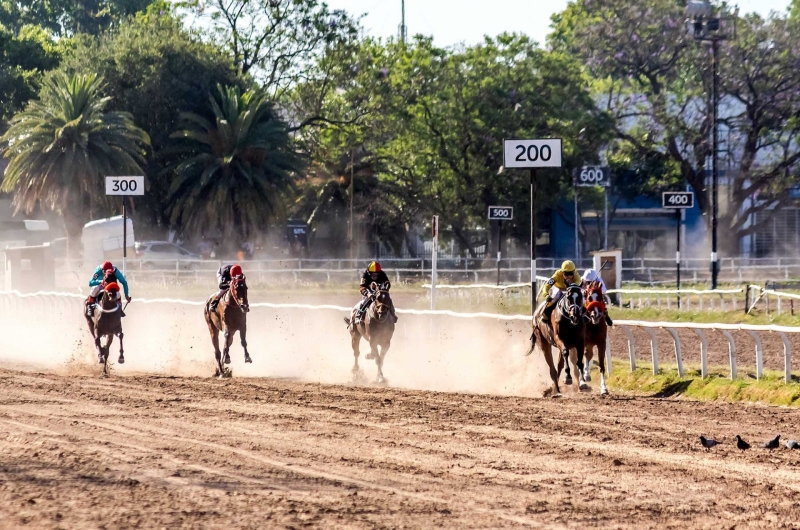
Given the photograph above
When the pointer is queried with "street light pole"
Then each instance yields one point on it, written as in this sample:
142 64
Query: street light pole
715 162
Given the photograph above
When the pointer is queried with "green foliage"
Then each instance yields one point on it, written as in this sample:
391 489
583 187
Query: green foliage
230 173
154 69
63 145
68 17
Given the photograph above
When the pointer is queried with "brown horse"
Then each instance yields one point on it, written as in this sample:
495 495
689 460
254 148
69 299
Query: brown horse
106 322
596 331
377 328
229 317
566 333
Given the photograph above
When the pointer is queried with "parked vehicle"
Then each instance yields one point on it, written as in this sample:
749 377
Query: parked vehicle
164 255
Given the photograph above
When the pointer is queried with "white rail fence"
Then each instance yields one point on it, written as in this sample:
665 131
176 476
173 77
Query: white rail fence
14 302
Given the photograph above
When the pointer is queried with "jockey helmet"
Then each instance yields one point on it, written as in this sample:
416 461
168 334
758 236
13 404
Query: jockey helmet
236 270
107 266
374 266
568 266
112 287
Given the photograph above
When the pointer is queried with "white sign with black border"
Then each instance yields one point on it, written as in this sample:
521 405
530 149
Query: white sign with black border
677 200
501 213
124 185
593 176
532 153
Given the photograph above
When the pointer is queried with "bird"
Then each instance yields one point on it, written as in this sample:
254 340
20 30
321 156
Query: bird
741 444
772 444
792 444
708 443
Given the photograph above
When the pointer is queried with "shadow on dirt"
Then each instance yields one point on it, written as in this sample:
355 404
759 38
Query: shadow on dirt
675 388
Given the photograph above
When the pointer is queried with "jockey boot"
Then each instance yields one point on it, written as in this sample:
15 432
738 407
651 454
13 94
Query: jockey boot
609 322
90 306
548 310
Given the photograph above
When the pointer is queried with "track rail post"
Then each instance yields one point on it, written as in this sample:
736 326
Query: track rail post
731 351
653 348
678 356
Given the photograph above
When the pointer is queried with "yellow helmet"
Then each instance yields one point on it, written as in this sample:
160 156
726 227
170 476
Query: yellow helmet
568 266
374 266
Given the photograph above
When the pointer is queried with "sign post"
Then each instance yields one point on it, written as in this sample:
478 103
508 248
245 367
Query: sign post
678 200
594 176
434 256
532 154
500 214
124 186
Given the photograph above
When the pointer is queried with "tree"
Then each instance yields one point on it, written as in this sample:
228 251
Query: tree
231 173
655 80
24 56
68 17
277 41
63 145
154 69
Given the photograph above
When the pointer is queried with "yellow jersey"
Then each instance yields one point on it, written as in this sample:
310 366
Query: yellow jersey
559 280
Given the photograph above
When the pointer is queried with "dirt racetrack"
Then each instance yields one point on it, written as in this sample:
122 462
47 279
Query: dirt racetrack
167 452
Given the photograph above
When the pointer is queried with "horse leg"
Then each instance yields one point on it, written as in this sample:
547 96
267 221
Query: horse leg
565 362
227 349
548 357
217 354
601 362
243 337
373 354
561 368
587 369
379 361
355 341
121 359
579 351
99 348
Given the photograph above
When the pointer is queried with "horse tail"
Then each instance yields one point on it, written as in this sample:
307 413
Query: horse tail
533 344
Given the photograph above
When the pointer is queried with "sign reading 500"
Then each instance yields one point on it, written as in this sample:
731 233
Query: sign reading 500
532 153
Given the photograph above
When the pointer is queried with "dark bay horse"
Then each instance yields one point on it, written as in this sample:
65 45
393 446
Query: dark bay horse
377 328
106 322
565 333
229 317
596 331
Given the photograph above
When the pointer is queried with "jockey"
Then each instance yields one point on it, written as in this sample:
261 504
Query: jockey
97 283
591 275
556 286
224 276
375 274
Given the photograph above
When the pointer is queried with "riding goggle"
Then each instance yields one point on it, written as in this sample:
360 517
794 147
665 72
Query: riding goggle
569 273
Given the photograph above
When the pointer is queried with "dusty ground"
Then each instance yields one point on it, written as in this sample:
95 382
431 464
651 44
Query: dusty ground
165 452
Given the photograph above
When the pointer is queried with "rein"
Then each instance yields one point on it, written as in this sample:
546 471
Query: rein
232 290
566 303
100 308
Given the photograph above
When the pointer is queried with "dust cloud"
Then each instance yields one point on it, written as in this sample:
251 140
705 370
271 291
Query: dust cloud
428 353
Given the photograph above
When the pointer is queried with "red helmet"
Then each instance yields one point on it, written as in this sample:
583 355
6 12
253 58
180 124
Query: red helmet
107 266
236 270
112 287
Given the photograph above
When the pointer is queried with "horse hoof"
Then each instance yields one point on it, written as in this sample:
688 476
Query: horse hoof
603 391
583 386
556 395
568 380
121 360
588 378
247 359
227 374
369 357
227 359
100 359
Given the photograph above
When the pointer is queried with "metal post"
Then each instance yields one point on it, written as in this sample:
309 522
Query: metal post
533 241
499 248
715 163
605 216
351 235
678 255
124 236
403 29
577 220
434 256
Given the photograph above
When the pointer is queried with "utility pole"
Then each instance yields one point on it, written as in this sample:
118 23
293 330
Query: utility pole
351 235
403 29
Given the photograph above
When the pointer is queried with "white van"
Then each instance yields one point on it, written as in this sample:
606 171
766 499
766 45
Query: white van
102 240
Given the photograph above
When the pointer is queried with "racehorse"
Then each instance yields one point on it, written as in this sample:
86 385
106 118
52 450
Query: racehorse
229 317
566 333
596 332
106 322
377 327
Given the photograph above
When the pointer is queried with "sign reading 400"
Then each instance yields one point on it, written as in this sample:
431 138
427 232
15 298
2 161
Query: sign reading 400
124 185
532 153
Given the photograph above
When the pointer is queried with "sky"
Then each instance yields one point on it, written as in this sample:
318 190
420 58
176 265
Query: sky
467 21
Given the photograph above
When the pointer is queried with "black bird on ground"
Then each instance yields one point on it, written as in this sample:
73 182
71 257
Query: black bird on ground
792 444
741 444
773 444
708 443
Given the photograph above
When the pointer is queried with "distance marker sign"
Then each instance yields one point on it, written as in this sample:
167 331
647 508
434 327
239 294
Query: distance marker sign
593 176
501 213
532 153
124 185
677 199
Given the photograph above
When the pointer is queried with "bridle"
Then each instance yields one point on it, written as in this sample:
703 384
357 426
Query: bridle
571 305
232 290
100 308
594 303
376 295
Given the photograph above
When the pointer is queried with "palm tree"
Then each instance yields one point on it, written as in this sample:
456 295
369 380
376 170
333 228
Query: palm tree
63 145
231 173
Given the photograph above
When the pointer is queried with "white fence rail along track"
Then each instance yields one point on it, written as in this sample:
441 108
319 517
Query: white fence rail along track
50 304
